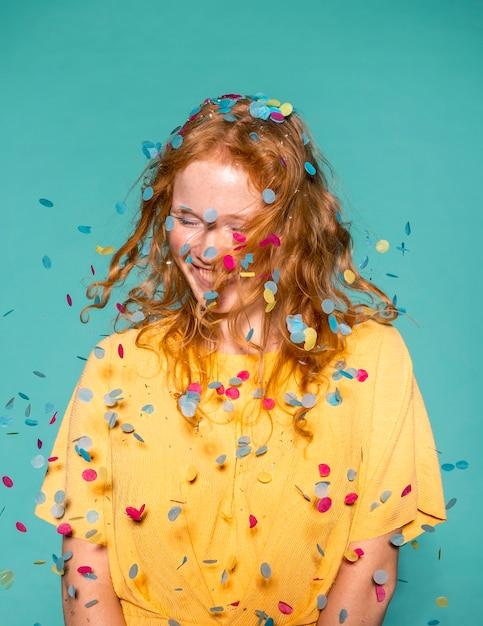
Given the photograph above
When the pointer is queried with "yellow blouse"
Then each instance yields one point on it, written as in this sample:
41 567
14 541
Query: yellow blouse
244 519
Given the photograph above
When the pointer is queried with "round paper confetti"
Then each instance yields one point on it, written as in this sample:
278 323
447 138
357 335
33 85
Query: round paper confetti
174 513
321 601
382 246
349 276
309 168
7 578
133 571
64 529
380 577
268 196
46 262
7 481
265 570
285 608
210 216
89 475
324 505
148 193
21 527
442 601
45 202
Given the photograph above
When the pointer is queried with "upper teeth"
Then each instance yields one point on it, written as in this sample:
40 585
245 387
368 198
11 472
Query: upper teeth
206 274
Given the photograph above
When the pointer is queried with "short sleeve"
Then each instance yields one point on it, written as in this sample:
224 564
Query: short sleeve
77 485
400 475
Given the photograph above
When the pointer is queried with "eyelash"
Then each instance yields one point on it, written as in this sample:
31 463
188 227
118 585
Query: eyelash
193 224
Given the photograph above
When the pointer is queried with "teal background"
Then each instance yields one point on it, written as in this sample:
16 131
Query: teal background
392 92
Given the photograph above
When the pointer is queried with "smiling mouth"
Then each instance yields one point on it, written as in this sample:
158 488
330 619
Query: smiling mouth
206 276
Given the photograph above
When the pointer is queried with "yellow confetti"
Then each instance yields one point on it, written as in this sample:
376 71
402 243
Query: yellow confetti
415 544
351 555
382 246
106 250
231 563
286 108
310 338
268 296
56 571
264 477
40 562
191 473
270 306
349 276
247 274
273 103
442 601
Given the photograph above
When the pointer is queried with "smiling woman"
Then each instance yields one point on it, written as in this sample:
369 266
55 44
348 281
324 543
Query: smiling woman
254 448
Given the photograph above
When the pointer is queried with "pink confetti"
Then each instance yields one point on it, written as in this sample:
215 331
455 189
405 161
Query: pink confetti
268 403
361 375
196 387
229 262
220 390
39 444
7 481
405 491
120 351
69 300
134 513
51 459
271 239
359 552
233 393
324 505
285 608
89 475
350 498
64 529
253 521
93 271
21 527
84 569
244 375
53 419
324 470
239 237
119 307
380 593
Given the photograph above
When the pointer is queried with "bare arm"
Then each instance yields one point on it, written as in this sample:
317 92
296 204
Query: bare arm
354 590
108 608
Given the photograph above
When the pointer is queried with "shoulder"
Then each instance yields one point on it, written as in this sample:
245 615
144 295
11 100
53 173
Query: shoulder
380 344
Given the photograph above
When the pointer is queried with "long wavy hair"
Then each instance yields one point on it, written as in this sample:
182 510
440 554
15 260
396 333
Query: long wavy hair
300 242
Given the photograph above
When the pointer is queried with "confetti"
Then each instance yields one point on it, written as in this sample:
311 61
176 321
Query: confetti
265 570
309 168
442 601
268 196
382 246
380 577
45 202
285 608
7 481
7 578
47 262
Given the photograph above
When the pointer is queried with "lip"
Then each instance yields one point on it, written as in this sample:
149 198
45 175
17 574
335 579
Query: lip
205 275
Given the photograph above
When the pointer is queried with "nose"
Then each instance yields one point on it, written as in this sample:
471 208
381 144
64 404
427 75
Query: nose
210 243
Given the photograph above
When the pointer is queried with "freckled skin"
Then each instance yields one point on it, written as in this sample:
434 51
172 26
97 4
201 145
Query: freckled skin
202 185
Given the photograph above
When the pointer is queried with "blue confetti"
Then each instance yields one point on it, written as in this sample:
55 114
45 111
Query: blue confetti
148 193
309 168
46 262
121 207
84 229
45 202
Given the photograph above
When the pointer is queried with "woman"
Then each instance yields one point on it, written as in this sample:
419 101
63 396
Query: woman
254 448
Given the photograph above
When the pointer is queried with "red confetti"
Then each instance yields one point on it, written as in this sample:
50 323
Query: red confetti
268 403
324 505
271 239
359 552
234 603
21 527
120 351
229 262
69 300
233 393
64 529
51 459
361 375
239 237
7 481
89 475
350 498
244 375
380 593
324 470
119 307
134 513
54 418
196 387
405 491
253 521
220 390
285 608
84 569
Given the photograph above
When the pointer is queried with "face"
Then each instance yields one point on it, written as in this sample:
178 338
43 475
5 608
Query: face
212 201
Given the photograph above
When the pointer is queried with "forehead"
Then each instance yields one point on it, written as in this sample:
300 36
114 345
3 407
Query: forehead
213 183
